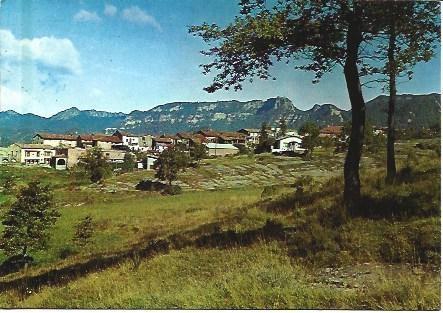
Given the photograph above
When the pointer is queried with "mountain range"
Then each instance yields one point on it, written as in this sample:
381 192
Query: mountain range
412 111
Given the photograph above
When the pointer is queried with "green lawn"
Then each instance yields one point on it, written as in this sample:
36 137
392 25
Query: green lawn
280 274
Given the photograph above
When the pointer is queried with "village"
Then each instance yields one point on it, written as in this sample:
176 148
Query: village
63 151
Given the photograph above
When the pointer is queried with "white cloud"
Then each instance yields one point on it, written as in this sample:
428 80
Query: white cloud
110 10
136 15
57 54
18 101
86 16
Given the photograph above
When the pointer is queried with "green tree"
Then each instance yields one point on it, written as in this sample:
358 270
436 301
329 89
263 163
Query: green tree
128 162
283 127
310 132
28 221
325 34
169 163
198 152
96 165
409 34
264 141
84 231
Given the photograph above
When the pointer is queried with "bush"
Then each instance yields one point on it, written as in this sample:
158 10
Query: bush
396 247
172 190
66 252
156 186
83 232
15 263
242 149
314 242
148 185
9 184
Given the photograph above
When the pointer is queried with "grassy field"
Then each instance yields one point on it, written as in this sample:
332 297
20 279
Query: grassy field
386 259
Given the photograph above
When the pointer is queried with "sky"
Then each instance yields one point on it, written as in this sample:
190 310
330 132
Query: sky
122 55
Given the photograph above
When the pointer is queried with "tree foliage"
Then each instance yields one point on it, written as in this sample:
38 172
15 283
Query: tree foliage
324 34
310 132
169 163
264 141
128 162
198 152
409 34
96 165
29 220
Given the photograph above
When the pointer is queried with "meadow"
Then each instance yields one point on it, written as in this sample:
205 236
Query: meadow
245 243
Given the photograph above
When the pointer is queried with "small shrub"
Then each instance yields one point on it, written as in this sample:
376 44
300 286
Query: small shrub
396 247
314 242
9 184
84 231
66 252
149 185
172 190
15 263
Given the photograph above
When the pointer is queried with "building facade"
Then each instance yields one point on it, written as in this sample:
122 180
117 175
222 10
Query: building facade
31 154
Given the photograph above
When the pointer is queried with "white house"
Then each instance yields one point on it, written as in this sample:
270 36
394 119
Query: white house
288 143
31 154
129 140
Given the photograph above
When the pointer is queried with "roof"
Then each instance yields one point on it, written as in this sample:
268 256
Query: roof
334 130
250 130
174 137
209 133
56 136
162 140
196 138
185 135
289 136
212 145
123 133
34 146
231 135
103 138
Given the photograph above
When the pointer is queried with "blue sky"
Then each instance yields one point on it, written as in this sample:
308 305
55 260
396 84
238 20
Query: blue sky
134 55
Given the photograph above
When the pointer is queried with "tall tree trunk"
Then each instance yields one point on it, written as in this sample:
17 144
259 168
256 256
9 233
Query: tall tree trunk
390 152
352 161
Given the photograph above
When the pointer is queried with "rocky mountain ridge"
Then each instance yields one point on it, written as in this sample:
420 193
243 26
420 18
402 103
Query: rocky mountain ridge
413 111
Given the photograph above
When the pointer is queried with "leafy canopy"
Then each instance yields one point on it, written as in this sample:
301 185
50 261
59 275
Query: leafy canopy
169 163
310 132
96 164
28 221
